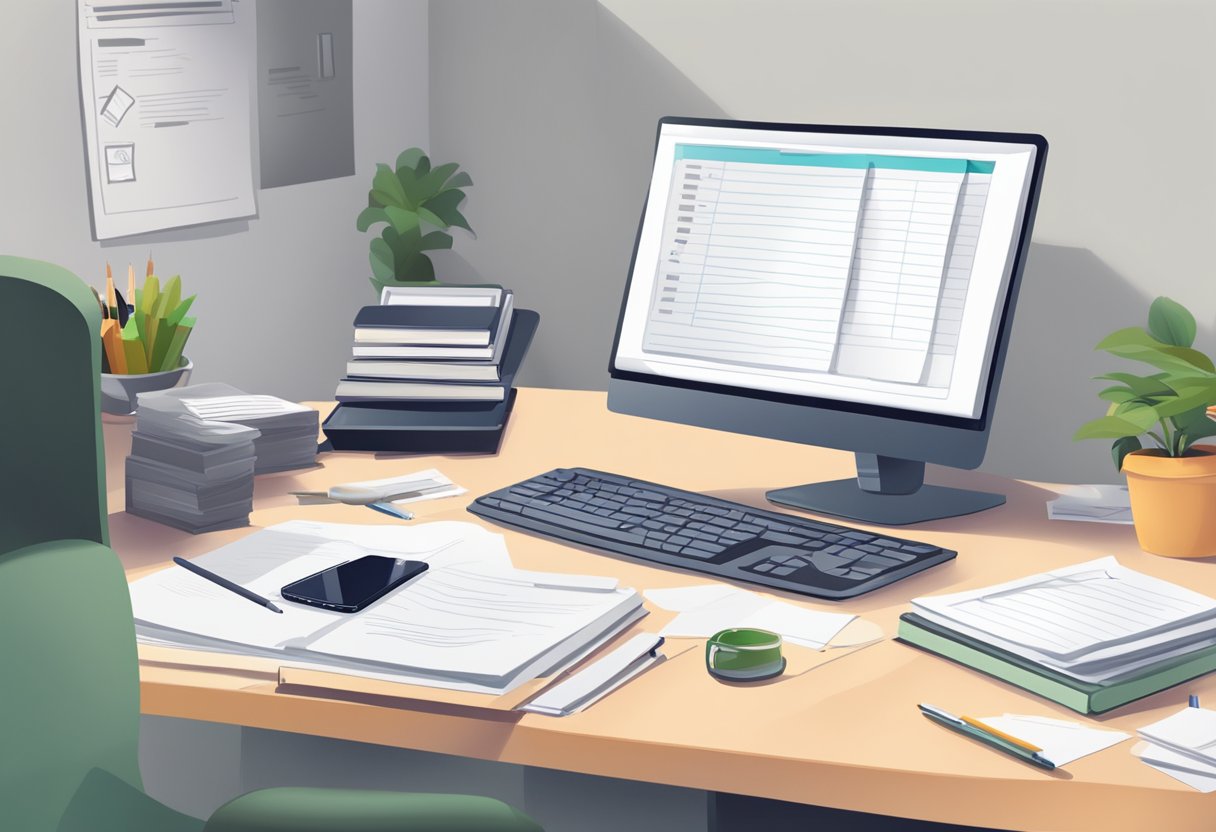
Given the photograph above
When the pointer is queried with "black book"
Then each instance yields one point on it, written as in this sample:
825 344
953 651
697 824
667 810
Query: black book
432 325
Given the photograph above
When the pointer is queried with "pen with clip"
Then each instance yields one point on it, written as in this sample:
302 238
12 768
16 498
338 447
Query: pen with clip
988 735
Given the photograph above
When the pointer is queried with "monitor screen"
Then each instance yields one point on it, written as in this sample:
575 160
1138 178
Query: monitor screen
866 268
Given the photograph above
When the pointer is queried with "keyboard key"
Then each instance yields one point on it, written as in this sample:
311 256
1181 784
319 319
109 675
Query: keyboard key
681 540
783 570
763 567
712 548
738 536
919 548
781 537
902 557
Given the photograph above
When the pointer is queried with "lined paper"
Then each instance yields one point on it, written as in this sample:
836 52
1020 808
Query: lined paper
896 282
756 263
1092 610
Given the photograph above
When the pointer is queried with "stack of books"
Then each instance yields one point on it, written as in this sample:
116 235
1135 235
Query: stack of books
433 371
186 472
1092 636
431 343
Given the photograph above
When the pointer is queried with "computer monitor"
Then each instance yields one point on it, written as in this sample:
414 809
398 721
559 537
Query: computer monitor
850 287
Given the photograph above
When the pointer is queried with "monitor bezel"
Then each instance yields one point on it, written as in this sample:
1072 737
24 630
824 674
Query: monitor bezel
1000 347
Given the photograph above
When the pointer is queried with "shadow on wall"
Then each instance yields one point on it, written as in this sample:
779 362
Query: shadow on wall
1069 301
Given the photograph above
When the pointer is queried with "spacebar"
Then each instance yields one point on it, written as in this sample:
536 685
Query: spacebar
592 523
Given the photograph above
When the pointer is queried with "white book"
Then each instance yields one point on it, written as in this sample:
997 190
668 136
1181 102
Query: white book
441 296
421 370
358 390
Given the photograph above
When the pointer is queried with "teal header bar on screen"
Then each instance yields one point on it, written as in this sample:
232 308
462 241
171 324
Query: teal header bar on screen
768 156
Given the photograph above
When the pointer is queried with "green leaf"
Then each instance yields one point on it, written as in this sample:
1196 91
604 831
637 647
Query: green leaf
175 317
1164 358
423 167
432 183
435 240
1171 323
1193 357
409 159
444 205
428 215
1197 424
460 180
381 258
1110 427
1182 404
1142 385
1122 447
369 216
401 219
1128 336
387 187
1118 394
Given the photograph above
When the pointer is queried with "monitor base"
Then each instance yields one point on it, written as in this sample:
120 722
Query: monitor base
844 498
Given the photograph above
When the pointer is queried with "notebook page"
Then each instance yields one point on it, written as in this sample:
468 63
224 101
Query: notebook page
1071 612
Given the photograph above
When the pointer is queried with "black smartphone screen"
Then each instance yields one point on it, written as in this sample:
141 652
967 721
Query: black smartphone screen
351 586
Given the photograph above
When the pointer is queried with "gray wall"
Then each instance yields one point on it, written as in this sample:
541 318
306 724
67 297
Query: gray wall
551 105
276 294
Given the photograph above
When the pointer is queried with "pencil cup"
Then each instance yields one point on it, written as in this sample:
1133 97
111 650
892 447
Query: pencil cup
744 654
118 392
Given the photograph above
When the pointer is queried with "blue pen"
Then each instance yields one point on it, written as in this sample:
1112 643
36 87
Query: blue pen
1194 701
391 510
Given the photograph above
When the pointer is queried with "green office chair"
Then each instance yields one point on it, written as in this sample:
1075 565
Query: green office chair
69 679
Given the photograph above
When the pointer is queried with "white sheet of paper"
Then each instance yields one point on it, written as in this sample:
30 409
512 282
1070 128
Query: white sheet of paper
1062 740
1092 504
726 607
165 92
1176 766
1191 732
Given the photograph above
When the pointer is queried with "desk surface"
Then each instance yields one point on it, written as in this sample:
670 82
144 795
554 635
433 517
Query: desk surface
845 735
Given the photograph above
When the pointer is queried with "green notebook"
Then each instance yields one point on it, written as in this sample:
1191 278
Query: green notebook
1083 697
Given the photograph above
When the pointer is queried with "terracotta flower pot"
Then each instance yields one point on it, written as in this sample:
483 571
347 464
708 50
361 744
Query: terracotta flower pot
1174 501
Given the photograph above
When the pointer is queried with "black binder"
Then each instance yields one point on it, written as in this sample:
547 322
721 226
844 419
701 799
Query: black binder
435 427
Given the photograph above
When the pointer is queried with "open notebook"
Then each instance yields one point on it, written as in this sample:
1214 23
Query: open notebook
471 622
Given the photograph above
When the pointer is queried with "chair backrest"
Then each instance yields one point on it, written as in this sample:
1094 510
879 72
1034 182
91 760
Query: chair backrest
52 475
69 685
69 678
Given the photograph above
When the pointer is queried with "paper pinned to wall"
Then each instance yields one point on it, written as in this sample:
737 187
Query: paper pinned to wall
165 95
306 122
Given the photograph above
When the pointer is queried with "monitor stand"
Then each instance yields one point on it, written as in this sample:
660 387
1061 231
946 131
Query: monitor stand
888 491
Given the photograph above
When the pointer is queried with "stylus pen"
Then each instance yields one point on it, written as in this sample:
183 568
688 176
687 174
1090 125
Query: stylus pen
227 584
989 736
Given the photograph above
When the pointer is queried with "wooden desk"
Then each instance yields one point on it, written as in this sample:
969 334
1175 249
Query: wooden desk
845 735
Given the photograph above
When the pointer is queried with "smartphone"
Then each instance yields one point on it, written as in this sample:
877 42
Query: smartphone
352 586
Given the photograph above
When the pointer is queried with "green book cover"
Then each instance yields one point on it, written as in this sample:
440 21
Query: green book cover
1083 697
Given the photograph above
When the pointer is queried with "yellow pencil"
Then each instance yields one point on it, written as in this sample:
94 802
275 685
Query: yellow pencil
130 285
149 274
111 298
988 729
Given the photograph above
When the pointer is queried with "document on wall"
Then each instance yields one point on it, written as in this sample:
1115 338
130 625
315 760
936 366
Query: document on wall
165 96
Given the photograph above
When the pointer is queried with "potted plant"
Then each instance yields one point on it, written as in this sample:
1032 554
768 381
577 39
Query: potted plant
408 199
1172 483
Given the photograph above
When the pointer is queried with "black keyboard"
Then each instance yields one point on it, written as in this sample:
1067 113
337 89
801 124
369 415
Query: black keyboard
682 528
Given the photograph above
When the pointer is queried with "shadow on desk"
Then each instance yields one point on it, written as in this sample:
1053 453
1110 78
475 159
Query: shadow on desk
728 812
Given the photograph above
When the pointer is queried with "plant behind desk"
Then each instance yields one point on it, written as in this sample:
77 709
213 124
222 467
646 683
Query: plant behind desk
1173 485
407 199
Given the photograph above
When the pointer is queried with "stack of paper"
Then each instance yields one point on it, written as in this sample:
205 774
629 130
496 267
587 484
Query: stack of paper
470 622
1094 622
288 431
186 472
1182 746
